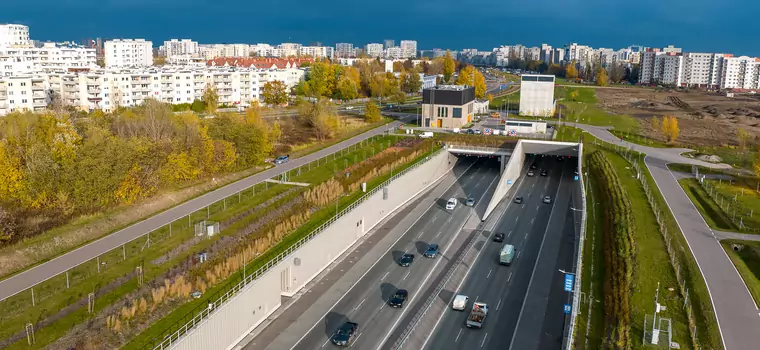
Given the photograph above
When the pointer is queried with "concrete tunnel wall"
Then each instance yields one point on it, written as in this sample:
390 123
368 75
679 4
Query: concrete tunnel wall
248 309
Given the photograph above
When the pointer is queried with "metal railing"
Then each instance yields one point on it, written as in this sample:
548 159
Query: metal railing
579 263
248 279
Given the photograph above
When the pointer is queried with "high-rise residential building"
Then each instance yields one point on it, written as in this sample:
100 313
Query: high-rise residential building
176 47
344 49
373 50
671 49
317 51
23 92
128 53
49 57
14 35
394 53
578 53
740 73
408 48
287 50
546 53
388 43
702 69
532 54
558 56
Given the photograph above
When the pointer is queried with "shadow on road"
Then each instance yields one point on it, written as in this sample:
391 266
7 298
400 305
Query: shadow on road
387 290
396 255
333 321
421 247
446 296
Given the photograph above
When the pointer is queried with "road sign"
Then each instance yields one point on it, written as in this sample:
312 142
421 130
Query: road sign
509 182
503 86
487 131
575 177
568 308
569 279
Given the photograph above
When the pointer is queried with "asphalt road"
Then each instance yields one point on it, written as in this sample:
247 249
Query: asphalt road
366 302
26 279
525 299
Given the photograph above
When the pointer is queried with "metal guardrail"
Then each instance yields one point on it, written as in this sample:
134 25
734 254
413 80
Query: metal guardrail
579 264
208 311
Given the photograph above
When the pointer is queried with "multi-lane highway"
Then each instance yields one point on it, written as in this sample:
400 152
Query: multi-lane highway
367 302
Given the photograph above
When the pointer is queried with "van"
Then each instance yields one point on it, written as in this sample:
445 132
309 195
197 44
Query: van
507 254
426 134
460 302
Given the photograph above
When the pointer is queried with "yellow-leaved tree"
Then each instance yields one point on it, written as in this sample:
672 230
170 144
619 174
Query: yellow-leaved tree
670 128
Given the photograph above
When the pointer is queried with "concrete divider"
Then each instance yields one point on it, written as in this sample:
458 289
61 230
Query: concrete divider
230 321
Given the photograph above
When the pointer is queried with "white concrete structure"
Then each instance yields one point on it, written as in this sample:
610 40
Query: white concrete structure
177 47
121 53
49 57
517 127
317 51
344 50
23 92
537 95
480 106
186 60
408 48
394 53
14 35
373 50
702 69
740 73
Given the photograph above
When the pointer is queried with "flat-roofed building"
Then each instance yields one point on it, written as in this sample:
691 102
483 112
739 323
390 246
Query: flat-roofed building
447 106
537 95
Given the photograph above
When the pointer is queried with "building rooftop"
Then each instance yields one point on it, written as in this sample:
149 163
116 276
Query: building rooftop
452 87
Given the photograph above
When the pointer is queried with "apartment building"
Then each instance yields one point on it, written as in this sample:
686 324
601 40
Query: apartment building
49 57
23 92
344 49
578 53
176 47
122 53
388 43
14 35
740 73
373 50
702 69
408 48
317 51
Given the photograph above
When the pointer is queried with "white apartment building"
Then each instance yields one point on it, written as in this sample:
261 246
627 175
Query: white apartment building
317 51
176 47
49 57
344 49
579 53
14 35
122 53
394 53
532 54
740 73
186 60
702 69
409 48
373 50
23 92
671 49
285 50
647 67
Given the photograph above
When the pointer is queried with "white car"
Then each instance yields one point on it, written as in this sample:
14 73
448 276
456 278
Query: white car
460 302
547 199
451 204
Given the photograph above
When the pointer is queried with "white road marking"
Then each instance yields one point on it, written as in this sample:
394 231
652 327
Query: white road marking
531 221
407 274
509 278
509 234
484 340
518 254
356 340
476 298
533 185
537 206
385 275
497 305
438 234
489 273
360 304
523 206
517 218
323 345
455 340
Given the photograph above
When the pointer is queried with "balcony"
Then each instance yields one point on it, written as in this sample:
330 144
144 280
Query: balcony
39 95
39 103
3 105
70 88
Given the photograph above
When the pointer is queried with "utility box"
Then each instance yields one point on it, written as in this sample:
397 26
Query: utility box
206 228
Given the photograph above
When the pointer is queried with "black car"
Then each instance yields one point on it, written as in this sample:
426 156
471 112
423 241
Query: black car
544 173
519 199
345 334
406 260
432 251
398 298
498 237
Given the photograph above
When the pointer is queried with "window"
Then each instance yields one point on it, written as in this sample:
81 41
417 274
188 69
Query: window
23 101
457 112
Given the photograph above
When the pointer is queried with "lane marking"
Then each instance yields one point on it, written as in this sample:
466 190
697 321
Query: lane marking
455 340
533 185
385 275
489 273
509 278
509 234
407 274
360 304
438 234
518 254
356 340
476 298
325 343
517 218
497 305
523 206
531 220
484 340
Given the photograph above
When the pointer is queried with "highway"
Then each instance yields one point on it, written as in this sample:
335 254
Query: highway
366 302
526 298
39 273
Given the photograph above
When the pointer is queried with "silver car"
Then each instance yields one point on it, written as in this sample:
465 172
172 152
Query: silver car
547 199
470 202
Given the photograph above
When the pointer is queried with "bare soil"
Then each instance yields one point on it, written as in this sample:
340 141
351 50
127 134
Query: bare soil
705 118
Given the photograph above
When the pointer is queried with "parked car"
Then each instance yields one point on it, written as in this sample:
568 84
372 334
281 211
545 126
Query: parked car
282 159
478 132
432 251
406 260
345 334
451 204
398 298
547 199
470 202
498 237
518 200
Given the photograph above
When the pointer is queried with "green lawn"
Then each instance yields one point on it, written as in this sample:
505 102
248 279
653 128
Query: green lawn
729 154
642 140
739 199
711 212
587 113
511 101
747 261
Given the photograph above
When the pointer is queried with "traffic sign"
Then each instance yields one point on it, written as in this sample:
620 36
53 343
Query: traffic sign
509 182
568 308
575 177
487 131
569 279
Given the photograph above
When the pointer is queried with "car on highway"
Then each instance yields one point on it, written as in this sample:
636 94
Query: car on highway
282 159
530 173
345 334
406 260
547 199
498 237
460 302
544 172
432 251
470 202
451 204
518 200
533 166
398 298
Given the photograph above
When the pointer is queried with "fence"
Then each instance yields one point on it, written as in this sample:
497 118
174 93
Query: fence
126 261
730 206
676 260
570 336
196 316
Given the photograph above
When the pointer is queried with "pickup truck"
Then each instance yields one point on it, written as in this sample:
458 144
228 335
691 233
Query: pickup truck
477 315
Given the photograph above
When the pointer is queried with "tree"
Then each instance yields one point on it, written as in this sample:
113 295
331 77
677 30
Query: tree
398 96
179 167
670 128
321 79
372 112
198 106
489 97
159 60
465 78
617 72
601 77
320 116
556 70
211 99
573 94
274 93
398 66
380 86
347 88
743 137
448 66
756 164
412 83
571 72
130 189
275 132
11 176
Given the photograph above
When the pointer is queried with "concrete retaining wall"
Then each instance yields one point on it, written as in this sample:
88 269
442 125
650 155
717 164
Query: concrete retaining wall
241 314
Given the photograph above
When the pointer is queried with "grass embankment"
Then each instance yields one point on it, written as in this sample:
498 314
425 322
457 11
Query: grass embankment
188 310
711 212
746 258
509 100
731 203
156 257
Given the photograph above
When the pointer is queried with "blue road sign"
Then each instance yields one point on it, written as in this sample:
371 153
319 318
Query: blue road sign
509 182
575 177
503 86
569 279
568 308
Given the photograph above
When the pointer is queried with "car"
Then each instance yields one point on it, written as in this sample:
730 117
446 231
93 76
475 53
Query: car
518 200
470 202
498 237
451 204
406 260
470 131
432 251
544 173
398 298
345 334
282 159
478 132
532 166
530 173
460 302
560 158
547 199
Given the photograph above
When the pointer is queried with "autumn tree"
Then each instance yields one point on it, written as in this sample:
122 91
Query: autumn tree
743 136
347 88
412 83
670 128
571 72
465 78
275 132
601 77
616 72
756 164
211 99
274 93
489 97
380 87
320 116
372 112
159 60
448 66
321 79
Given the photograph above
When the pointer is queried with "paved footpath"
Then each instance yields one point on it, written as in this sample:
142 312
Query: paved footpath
736 311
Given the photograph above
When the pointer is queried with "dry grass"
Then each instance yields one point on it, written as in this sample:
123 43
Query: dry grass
324 193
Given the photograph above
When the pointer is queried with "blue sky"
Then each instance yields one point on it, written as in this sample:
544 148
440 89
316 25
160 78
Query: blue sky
695 25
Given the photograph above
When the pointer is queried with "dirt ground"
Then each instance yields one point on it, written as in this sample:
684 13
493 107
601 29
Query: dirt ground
705 118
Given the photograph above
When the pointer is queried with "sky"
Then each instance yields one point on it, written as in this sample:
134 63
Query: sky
725 26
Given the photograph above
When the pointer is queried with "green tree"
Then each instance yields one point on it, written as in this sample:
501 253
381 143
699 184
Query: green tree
372 112
211 99
347 88
274 93
412 83
198 106
448 66
380 86
601 77
398 96
275 132
321 79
